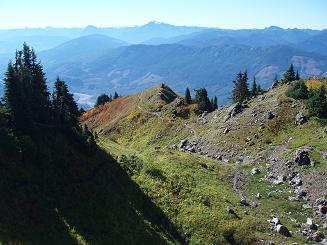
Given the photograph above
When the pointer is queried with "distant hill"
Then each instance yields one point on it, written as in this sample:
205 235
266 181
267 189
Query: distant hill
128 59
81 49
133 68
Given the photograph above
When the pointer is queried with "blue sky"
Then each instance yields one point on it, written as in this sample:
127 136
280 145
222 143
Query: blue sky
214 13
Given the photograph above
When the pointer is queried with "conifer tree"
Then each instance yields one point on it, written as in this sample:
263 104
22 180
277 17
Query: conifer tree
188 98
241 88
289 75
102 99
254 90
116 96
214 103
13 97
202 99
64 106
297 76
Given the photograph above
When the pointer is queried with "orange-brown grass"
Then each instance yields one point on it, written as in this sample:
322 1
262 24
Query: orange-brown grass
314 83
110 113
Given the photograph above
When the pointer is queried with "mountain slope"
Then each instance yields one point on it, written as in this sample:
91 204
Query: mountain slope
81 49
133 68
198 172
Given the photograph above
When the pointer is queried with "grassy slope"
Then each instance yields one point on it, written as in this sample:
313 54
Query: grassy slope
194 192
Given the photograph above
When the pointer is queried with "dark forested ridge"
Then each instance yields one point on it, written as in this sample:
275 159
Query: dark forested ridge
57 186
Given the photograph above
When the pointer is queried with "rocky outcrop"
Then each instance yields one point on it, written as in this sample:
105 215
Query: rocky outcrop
300 119
302 158
234 110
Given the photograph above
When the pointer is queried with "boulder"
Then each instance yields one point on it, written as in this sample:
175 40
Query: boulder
226 130
311 224
234 110
244 202
302 158
183 143
281 229
255 171
318 236
269 115
275 221
300 119
322 209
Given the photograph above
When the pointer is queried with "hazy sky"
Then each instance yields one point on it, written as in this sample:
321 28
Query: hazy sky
214 13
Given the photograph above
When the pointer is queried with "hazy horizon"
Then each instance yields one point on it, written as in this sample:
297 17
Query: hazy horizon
156 22
236 14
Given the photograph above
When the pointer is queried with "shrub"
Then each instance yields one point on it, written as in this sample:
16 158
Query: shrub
131 164
298 91
317 103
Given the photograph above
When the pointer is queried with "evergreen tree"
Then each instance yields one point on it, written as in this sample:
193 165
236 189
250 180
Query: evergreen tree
260 90
241 88
317 103
64 106
214 103
81 111
289 75
116 96
40 101
254 90
26 92
297 76
102 99
202 100
188 98
13 98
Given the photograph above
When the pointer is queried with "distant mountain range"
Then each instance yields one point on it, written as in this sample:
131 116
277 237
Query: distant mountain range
130 59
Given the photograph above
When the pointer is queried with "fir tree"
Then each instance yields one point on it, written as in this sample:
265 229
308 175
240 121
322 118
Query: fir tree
289 75
254 90
214 103
188 98
116 96
102 99
202 100
13 97
241 88
64 106
297 76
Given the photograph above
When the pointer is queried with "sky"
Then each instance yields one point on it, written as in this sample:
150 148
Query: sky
233 14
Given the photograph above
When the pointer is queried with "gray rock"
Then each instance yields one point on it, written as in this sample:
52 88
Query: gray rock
275 221
182 143
226 130
322 209
269 115
244 202
255 171
311 224
281 229
300 119
234 110
302 158
318 236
